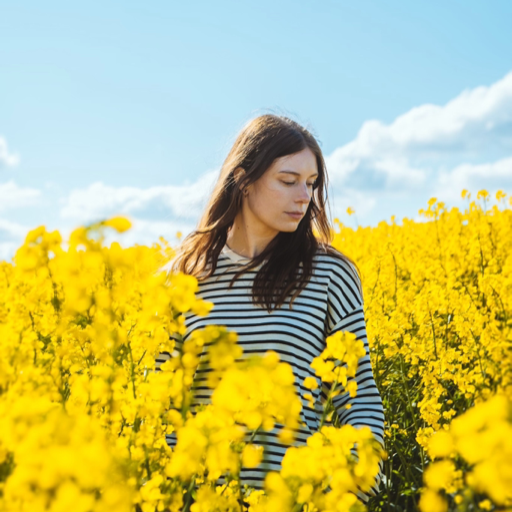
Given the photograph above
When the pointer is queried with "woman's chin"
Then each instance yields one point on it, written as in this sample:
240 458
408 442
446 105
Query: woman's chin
290 227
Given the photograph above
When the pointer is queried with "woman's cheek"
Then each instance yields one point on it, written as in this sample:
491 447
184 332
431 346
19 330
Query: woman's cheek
278 193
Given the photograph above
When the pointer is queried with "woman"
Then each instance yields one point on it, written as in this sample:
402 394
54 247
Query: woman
273 280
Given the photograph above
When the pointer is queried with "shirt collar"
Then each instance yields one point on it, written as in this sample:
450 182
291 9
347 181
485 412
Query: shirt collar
233 256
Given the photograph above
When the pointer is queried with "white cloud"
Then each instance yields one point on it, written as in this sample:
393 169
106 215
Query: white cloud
405 154
489 176
7 159
146 232
142 232
361 201
100 200
12 229
7 250
13 196
12 235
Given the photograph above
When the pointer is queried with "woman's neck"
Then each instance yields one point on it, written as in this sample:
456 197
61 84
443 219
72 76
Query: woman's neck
247 239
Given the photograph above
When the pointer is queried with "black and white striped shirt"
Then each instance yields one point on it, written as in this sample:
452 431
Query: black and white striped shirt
331 302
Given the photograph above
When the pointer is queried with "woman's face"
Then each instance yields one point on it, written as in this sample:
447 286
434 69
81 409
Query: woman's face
284 189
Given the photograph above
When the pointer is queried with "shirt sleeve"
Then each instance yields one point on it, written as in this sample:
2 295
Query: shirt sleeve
346 313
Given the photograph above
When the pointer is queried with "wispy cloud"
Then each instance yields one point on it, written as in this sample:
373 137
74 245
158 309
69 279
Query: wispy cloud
14 196
491 176
7 159
148 232
12 199
12 228
98 201
11 236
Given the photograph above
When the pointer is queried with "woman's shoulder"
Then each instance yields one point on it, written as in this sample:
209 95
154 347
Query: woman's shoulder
327 254
175 266
331 259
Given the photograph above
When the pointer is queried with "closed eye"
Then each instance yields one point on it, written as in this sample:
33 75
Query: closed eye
293 183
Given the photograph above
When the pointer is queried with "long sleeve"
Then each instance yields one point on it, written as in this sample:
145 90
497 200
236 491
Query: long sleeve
346 313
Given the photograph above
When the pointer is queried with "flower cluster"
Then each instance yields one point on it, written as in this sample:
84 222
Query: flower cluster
85 409
482 439
324 475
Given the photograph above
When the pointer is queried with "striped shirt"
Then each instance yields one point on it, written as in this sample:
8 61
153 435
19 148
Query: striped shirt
331 302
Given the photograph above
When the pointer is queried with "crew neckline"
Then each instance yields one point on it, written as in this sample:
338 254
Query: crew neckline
234 256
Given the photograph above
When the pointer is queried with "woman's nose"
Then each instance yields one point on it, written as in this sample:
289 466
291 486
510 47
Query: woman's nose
304 195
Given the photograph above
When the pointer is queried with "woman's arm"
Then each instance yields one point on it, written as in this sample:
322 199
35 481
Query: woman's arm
346 313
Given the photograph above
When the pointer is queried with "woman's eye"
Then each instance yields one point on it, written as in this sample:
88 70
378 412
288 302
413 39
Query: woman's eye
293 183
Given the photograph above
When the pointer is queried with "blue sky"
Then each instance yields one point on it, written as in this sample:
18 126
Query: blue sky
124 107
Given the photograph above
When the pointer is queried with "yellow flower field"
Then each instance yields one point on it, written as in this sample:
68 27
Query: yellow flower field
84 413
438 304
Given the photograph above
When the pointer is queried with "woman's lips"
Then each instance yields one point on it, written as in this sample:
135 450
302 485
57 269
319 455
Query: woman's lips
295 215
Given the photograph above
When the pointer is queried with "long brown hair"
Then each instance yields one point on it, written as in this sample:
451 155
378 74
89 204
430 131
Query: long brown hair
258 144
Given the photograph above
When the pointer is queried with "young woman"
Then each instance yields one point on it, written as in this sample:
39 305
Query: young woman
272 279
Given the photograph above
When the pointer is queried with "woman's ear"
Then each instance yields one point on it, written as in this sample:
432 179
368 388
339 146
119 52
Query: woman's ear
238 173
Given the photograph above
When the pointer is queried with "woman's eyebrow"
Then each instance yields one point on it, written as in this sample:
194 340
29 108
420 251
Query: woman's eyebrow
297 174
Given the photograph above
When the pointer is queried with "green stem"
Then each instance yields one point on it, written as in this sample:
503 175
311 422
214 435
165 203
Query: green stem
188 501
328 404
251 439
